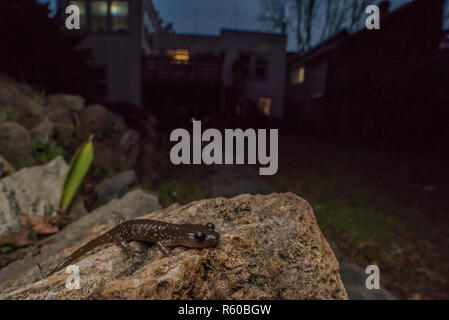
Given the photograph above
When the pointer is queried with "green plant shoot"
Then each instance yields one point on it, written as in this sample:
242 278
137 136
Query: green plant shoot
79 166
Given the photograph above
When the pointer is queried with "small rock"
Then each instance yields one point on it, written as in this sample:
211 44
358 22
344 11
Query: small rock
115 187
15 143
69 102
31 191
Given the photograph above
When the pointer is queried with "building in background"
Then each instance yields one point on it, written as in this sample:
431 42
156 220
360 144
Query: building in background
119 32
147 64
234 70
369 83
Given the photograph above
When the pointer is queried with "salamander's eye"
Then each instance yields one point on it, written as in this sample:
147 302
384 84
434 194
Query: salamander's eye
200 236
210 226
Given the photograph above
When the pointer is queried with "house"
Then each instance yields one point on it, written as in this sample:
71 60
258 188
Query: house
119 32
360 84
233 69
145 63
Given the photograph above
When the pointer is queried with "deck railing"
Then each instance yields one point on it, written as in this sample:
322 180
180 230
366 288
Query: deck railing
162 70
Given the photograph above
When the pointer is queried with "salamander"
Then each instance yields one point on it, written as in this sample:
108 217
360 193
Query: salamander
163 234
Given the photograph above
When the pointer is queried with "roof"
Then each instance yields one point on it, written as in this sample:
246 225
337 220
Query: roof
344 35
320 49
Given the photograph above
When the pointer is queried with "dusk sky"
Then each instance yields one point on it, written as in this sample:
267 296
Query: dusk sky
214 15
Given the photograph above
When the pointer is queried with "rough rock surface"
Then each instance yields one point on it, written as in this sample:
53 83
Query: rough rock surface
94 117
18 106
43 131
30 191
15 144
64 122
114 187
270 248
69 102
25 272
118 155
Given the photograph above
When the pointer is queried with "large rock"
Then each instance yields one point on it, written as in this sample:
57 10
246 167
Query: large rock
114 187
64 121
16 105
94 118
43 131
31 191
69 102
270 248
25 272
15 144
119 154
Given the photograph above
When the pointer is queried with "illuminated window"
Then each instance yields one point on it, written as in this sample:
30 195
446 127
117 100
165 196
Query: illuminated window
119 15
298 75
179 56
265 105
99 16
83 11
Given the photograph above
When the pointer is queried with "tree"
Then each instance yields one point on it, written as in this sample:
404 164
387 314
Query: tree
36 49
274 14
313 20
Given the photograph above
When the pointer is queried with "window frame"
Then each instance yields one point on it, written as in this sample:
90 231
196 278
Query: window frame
109 30
108 27
127 31
261 62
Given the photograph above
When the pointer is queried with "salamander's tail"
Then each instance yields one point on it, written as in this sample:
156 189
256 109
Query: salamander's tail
103 239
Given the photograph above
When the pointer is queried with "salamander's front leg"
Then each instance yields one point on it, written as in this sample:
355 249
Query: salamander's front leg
127 249
163 248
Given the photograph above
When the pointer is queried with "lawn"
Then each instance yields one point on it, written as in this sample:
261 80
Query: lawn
377 206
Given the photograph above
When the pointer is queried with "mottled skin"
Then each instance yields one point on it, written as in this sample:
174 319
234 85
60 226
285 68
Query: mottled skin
163 234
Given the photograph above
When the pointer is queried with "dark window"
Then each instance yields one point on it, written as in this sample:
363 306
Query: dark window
245 64
261 72
99 16
119 15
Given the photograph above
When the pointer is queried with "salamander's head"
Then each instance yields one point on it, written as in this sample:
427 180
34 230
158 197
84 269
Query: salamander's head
200 236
